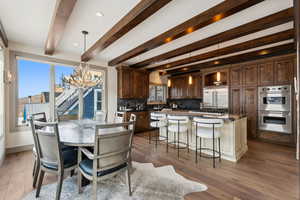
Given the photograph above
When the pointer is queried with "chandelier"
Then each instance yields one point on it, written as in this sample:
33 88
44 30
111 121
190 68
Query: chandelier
82 77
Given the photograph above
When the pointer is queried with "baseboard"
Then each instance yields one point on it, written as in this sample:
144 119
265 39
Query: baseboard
18 149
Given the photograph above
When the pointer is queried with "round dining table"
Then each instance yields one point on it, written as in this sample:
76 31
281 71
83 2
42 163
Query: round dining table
81 133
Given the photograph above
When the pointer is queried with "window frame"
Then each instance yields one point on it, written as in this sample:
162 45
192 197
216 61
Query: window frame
14 56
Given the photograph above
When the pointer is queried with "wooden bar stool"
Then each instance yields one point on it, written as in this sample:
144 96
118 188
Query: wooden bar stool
177 125
208 128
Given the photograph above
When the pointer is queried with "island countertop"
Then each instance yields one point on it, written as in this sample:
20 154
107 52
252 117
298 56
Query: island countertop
189 113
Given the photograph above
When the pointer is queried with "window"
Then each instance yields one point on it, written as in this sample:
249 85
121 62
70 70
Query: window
41 88
33 84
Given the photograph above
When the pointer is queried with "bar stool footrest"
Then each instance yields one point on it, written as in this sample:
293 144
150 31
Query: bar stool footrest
208 156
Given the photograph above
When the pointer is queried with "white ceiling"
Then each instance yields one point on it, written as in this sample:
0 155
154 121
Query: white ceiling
27 22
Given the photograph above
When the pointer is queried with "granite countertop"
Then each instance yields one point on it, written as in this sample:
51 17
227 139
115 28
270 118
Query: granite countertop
224 116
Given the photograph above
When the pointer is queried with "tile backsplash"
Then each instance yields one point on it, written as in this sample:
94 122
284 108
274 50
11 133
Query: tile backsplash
187 104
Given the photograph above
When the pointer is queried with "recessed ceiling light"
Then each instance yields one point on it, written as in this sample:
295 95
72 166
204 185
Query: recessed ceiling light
75 44
99 14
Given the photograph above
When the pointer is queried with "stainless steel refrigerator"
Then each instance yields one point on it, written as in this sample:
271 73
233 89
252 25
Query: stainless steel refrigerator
216 97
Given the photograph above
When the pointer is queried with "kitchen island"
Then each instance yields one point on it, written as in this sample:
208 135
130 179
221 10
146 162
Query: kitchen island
233 133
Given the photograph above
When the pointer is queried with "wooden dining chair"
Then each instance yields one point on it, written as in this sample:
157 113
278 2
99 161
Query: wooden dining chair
52 158
42 118
111 156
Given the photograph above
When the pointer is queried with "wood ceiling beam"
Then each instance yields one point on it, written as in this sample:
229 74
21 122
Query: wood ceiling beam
269 39
254 55
209 16
137 15
251 27
3 37
62 12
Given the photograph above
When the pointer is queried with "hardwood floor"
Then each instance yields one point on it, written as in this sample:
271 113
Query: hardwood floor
266 172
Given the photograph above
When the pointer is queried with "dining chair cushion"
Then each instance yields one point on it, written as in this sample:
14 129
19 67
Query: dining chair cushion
208 132
174 128
87 167
70 159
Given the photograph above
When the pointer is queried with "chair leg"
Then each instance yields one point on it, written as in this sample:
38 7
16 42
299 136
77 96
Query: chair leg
72 172
196 149
129 182
156 138
59 185
36 174
167 140
34 167
79 181
95 188
188 143
219 149
200 147
149 137
41 177
214 157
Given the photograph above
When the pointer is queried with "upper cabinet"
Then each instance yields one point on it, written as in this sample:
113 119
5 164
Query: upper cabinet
132 83
250 75
266 73
186 86
236 75
284 71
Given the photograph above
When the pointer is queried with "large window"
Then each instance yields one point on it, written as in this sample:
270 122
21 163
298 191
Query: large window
41 88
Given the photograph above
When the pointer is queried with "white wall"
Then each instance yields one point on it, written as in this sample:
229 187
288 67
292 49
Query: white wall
2 127
23 137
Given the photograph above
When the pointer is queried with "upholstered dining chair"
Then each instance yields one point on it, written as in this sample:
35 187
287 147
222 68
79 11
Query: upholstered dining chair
100 116
42 118
111 155
52 158
119 117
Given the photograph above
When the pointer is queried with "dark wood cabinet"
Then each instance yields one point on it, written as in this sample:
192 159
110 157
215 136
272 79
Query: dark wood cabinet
266 73
250 110
284 71
142 120
132 83
181 89
236 76
236 100
125 83
250 75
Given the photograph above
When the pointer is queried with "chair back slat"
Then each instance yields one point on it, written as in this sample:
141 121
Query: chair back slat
114 148
48 144
208 122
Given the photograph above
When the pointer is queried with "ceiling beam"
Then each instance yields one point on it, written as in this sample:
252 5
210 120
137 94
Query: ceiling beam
251 27
266 40
3 37
62 12
254 55
137 15
209 16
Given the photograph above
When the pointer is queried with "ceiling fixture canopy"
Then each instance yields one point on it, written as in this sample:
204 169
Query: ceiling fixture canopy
82 76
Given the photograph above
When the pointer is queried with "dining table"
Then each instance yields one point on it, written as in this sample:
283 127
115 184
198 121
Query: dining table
81 133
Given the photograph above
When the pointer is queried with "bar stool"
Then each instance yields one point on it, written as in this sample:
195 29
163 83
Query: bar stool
158 120
206 128
177 125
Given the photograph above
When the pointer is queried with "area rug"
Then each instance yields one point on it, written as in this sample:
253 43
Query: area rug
148 183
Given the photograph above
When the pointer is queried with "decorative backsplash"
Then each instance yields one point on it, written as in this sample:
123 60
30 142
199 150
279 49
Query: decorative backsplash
186 104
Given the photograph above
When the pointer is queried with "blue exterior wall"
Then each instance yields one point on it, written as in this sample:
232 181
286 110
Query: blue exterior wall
88 106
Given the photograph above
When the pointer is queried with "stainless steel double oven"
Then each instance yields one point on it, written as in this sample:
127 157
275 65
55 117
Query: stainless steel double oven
274 105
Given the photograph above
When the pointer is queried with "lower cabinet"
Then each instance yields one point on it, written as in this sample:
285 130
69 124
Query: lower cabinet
243 101
142 120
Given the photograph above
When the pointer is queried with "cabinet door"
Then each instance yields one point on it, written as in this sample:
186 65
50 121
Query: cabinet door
236 76
266 73
125 84
236 101
250 110
284 71
197 86
250 75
